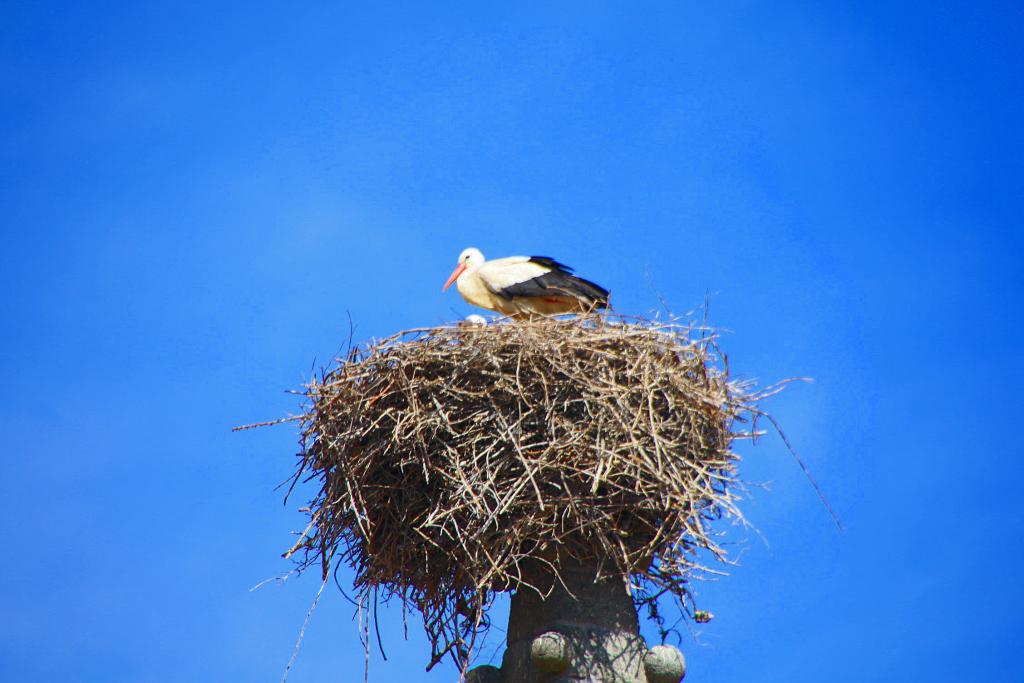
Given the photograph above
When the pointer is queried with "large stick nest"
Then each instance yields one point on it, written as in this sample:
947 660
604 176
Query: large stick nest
450 459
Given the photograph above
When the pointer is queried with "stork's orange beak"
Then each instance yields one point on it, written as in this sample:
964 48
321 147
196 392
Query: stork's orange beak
454 276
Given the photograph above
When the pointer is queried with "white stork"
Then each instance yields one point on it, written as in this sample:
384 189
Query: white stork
522 286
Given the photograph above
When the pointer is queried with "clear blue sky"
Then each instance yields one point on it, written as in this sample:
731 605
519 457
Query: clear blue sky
194 201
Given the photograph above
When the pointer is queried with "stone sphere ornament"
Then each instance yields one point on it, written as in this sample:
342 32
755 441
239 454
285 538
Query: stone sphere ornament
484 674
550 652
664 664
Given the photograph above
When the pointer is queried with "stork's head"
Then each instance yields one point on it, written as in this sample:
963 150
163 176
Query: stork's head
469 259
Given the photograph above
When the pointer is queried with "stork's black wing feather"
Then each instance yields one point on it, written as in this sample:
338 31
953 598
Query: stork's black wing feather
558 282
551 263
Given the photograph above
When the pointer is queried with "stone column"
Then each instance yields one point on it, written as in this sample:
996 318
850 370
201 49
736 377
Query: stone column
583 631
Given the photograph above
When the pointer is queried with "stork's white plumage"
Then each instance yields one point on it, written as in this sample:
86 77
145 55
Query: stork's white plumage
524 285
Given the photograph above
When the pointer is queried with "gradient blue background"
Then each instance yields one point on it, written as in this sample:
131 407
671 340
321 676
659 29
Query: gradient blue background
194 200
